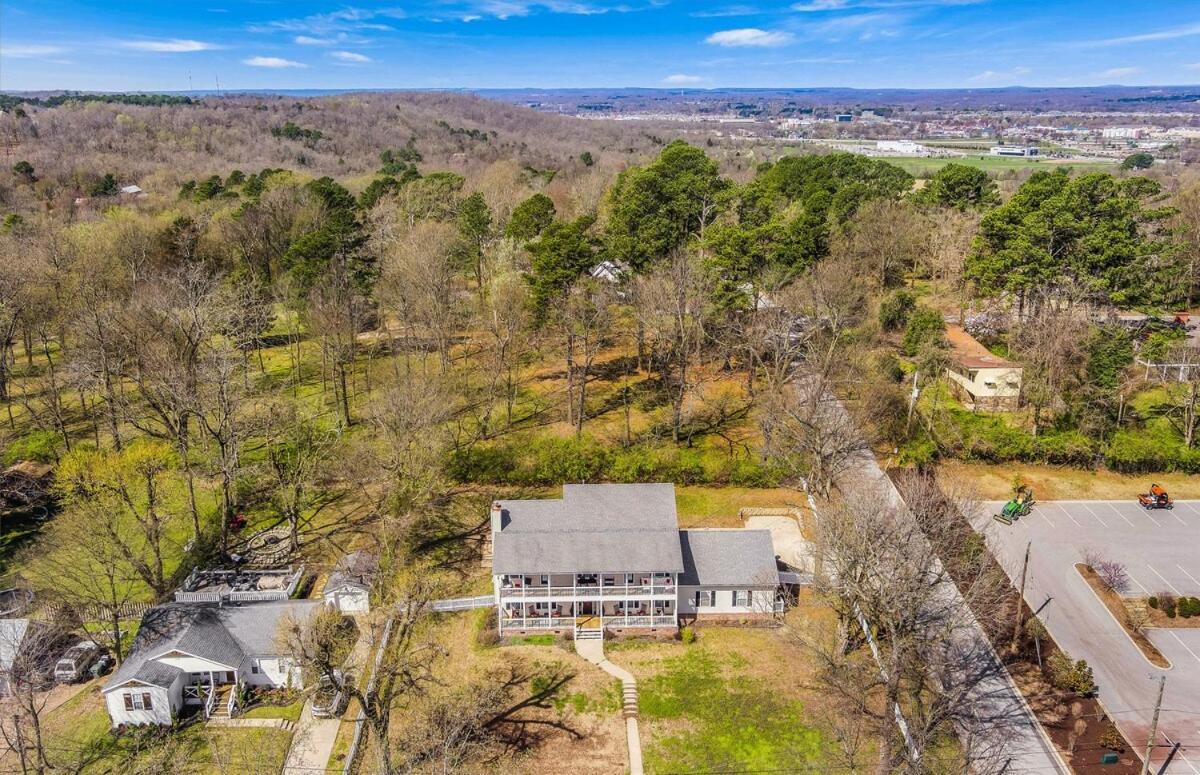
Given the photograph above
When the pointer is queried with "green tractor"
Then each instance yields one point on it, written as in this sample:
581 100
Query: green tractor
1020 506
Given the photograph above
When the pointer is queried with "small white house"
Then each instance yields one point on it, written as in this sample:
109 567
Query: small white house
201 654
981 380
608 271
349 586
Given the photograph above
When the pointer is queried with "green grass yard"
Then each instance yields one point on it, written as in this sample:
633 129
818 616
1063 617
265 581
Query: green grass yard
924 167
79 740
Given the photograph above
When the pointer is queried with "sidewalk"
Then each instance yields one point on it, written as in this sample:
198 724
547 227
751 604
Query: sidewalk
593 651
313 740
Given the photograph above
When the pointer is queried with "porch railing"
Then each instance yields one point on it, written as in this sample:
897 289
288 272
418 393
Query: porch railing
231 706
523 593
562 623
210 702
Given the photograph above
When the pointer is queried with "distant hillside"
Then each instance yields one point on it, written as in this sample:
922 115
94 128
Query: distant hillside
338 135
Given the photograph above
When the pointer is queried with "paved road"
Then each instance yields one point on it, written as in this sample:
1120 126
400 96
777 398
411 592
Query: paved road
1160 550
1006 721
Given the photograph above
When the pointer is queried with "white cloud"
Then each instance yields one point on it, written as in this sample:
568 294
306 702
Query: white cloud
349 56
1120 72
996 76
335 21
749 36
308 40
172 46
275 62
29 50
728 10
682 79
1193 66
1171 33
807 6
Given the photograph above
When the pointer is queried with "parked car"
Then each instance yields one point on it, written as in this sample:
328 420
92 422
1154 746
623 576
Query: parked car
329 699
73 665
101 666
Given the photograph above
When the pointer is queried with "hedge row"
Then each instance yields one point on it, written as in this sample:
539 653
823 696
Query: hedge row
549 461
969 436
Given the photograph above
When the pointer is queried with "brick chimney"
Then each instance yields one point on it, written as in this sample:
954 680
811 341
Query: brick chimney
497 517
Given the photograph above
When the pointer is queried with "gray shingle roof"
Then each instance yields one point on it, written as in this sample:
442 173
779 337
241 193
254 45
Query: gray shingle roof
730 557
355 570
593 528
222 634
12 633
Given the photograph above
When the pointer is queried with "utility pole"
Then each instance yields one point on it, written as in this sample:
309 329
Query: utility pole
1162 682
912 399
1019 618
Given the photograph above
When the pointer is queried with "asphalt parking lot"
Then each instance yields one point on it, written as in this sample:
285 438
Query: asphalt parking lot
1160 551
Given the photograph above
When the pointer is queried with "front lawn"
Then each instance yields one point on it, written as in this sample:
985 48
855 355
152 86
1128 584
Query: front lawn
79 740
705 712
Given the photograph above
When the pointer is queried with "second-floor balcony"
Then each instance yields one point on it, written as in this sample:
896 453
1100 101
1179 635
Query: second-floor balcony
589 586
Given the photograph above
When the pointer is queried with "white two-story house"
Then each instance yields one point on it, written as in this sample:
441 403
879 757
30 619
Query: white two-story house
611 556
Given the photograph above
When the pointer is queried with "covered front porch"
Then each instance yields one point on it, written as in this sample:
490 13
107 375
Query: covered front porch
587 615
213 692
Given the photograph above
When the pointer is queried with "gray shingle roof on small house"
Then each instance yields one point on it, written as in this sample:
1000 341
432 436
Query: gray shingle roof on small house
354 571
12 634
730 557
593 528
221 634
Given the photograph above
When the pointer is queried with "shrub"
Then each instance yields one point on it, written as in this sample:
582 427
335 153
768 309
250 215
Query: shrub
1166 600
925 325
687 635
41 446
1111 739
895 309
1152 602
1169 609
1072 676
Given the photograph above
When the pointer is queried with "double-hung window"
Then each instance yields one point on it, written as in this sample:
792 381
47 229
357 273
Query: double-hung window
742 597
138 701
705 598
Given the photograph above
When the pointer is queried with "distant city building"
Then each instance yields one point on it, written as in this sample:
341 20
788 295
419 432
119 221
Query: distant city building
901 147
843 118
1014 150
1122 132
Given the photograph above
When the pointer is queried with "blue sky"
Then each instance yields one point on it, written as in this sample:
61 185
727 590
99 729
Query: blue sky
174 45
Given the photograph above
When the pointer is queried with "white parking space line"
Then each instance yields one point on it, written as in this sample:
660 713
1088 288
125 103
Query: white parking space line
1070 516
1185 646
1164 579
1097 516
1190 576
1179 755
1152 519
1191 507
1128 521
1043 516
1135 581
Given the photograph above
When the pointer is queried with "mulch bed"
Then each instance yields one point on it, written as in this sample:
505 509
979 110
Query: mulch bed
1058 710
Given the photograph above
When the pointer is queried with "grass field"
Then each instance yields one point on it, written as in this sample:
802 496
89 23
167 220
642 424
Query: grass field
924 167
990 481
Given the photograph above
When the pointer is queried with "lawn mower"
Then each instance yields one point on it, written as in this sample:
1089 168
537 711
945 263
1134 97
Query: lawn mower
1020 506
1157 498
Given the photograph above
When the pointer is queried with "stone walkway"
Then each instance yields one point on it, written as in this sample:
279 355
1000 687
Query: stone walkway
312 743
593 651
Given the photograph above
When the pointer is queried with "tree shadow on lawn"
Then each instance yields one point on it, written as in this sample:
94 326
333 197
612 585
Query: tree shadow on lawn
724 722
